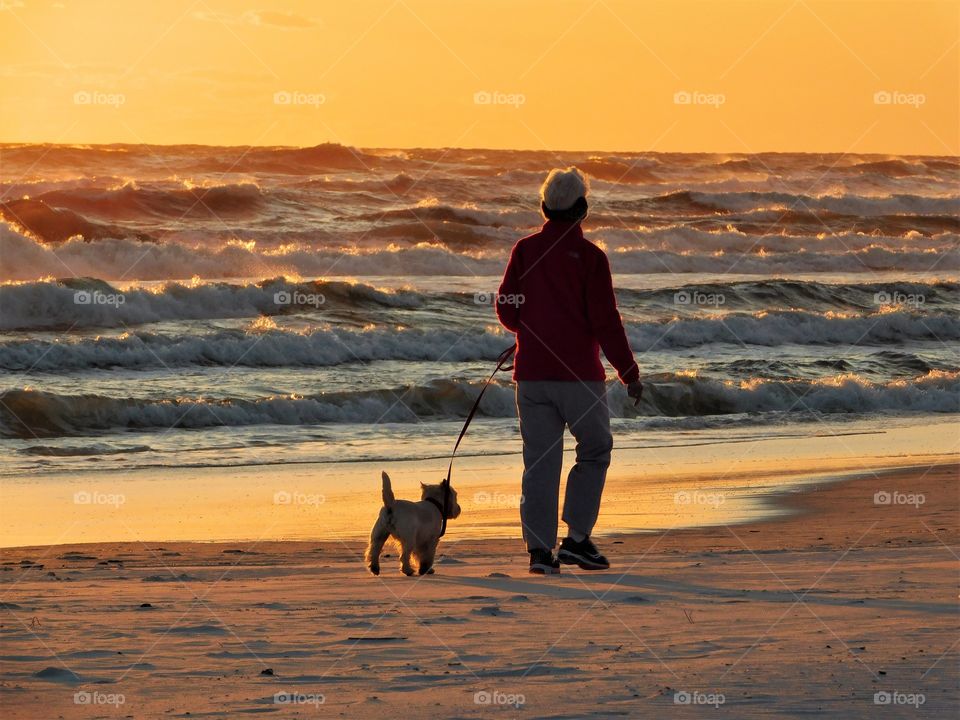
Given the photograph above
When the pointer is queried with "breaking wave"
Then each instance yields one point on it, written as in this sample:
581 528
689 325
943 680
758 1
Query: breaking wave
135 201
335 346
85 302
114 259
28 413
273 348
738 202
795 327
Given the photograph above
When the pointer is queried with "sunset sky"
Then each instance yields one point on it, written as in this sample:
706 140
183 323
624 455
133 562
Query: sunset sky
755 76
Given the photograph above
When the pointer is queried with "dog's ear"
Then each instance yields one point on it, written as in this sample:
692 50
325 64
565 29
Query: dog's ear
423 486
384 477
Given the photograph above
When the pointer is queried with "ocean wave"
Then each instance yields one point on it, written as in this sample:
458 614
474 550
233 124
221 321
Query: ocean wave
82 450
457 238
891 167
398 184
620 170
777 294
135 201
432 209
782 230
869 260
140 159
52 304
877 365
55 225
686 202
335 346
112 259
936 391
436 169
85 302
795 327
32 413
729 239
233 348
291 160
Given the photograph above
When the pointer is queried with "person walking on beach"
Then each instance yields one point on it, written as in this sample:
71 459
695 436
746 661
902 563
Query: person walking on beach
557 297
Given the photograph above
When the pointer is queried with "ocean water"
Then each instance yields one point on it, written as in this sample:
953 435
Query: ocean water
213 306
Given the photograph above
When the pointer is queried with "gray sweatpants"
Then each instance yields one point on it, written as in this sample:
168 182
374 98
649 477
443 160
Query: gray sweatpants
545 409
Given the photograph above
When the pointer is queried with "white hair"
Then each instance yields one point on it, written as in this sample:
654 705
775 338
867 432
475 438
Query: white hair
563 188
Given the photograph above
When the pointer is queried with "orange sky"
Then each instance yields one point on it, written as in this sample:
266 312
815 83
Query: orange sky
561 74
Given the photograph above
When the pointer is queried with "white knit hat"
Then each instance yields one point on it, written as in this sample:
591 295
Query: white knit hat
563 188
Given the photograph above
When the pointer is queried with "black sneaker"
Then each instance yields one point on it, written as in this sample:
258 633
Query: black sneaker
542 562
583 553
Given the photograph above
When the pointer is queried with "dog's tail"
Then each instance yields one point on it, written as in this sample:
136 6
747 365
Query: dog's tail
387 491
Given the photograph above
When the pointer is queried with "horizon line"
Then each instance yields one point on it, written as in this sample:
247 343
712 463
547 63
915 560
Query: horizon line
14 143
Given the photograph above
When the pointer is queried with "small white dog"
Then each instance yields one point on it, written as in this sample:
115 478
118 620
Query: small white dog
414 526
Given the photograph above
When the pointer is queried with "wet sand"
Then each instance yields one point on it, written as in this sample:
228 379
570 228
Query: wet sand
842 606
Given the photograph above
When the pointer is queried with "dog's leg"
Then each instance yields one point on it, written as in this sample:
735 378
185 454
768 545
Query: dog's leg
405 566
378 536
426 555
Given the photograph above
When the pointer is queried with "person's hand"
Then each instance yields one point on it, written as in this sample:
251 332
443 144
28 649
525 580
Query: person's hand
635 391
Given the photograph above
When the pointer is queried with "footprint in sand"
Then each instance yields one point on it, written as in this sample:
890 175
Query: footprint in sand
60 675
361 624
207 629
491 611
443 620
183 577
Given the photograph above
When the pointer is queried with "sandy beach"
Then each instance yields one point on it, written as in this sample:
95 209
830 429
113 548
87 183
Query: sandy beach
265 266
844 606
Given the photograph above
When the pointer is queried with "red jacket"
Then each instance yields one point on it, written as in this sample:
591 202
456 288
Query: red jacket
557 296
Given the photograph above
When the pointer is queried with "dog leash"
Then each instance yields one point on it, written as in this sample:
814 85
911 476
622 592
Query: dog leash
501 365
